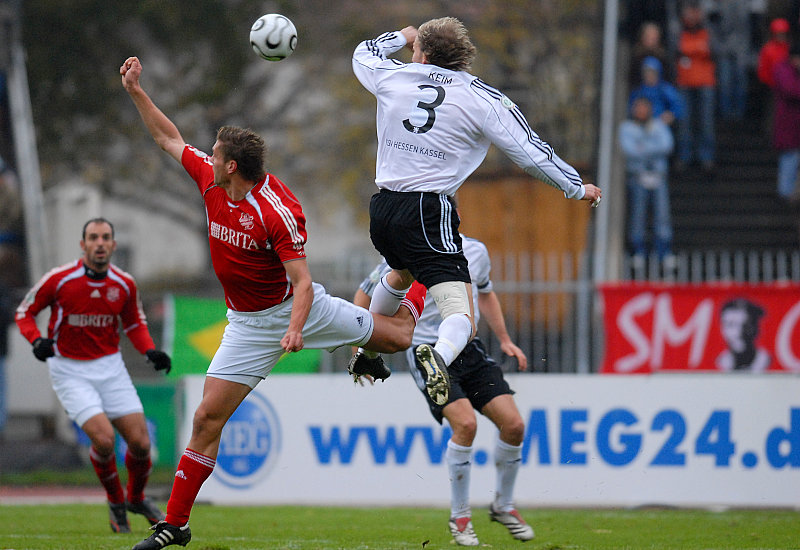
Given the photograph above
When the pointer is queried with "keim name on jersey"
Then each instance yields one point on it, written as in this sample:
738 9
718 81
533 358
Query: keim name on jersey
250 443
442 78
233 237
424 151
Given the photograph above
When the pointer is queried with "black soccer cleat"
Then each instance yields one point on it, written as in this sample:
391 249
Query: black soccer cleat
165 535
118 518
360 365
434 372
146 508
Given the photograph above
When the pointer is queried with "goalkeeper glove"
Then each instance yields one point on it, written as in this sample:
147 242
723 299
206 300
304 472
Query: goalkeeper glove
160 360
43 348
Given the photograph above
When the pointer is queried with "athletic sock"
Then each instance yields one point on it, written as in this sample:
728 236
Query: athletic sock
138 473
507 459
106 469
459 464
414 300
193 469
454 333
385 299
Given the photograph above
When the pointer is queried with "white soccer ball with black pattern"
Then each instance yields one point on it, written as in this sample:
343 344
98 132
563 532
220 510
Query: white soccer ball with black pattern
273 37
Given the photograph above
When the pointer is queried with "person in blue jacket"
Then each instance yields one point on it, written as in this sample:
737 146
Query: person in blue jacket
665 99
647 142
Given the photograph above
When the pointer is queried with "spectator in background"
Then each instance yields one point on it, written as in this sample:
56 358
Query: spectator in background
696 81
773 52
650 44
6 318
12 264
786 123
647 142
729 22
665 100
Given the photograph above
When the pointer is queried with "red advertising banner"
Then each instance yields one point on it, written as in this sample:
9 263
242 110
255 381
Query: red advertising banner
712 327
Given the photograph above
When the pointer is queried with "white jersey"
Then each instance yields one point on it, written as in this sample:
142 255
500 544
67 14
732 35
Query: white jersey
427 328
435 125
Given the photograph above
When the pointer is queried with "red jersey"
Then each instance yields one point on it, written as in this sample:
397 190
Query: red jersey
251 238
85 312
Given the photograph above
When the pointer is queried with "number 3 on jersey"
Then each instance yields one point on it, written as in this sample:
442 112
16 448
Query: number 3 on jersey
428 108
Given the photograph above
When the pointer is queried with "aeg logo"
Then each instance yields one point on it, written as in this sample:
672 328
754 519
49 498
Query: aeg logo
250 443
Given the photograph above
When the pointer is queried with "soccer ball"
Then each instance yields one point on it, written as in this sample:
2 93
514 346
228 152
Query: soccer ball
273 37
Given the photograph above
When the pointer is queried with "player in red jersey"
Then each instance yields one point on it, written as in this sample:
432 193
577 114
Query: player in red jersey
87 299
256 232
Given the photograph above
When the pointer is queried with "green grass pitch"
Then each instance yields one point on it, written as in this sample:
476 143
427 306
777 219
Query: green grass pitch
85 526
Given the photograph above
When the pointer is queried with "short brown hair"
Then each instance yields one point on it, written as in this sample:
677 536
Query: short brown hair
446 44
245 147
97 220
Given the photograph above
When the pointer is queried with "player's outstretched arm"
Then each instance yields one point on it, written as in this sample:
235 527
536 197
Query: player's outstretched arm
164 132
489 306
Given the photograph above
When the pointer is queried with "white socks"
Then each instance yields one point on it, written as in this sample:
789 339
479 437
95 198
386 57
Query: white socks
459 463
385 301
454 333
507 459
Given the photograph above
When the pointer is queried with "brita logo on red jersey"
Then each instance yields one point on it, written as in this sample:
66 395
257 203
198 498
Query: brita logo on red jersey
85 320
232 237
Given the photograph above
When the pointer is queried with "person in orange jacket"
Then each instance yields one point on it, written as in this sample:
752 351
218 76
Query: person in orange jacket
696 81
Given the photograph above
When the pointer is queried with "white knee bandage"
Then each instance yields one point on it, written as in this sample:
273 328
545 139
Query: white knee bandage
451 298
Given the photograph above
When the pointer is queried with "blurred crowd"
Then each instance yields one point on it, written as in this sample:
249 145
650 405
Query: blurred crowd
694 64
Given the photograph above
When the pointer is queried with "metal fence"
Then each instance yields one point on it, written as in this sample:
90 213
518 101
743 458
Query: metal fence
550 304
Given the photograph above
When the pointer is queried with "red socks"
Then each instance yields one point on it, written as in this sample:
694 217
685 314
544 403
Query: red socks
193 470
106 469
415 300
138 474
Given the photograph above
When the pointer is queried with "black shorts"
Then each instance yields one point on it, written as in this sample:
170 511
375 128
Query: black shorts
474 376
418 232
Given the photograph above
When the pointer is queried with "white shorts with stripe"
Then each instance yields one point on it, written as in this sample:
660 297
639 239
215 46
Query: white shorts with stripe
87 388
251 344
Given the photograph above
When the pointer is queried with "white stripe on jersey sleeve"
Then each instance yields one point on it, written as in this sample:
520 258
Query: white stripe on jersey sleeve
283 211
508 129
371 54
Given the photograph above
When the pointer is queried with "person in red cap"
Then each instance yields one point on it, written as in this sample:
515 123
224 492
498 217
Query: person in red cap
774 51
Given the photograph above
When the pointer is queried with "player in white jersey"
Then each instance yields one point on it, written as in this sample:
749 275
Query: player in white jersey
435 122
477 383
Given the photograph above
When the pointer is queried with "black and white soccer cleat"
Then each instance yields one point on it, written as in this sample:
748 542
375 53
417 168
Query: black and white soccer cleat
434 372
118 518
375 367
146 508
165 535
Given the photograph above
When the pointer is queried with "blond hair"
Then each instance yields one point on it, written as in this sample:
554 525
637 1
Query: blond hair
446 44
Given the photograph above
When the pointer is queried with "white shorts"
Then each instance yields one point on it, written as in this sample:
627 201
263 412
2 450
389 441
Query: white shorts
251 344
90 387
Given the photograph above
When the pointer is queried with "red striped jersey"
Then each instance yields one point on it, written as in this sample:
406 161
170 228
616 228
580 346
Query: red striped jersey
85 313
250 238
